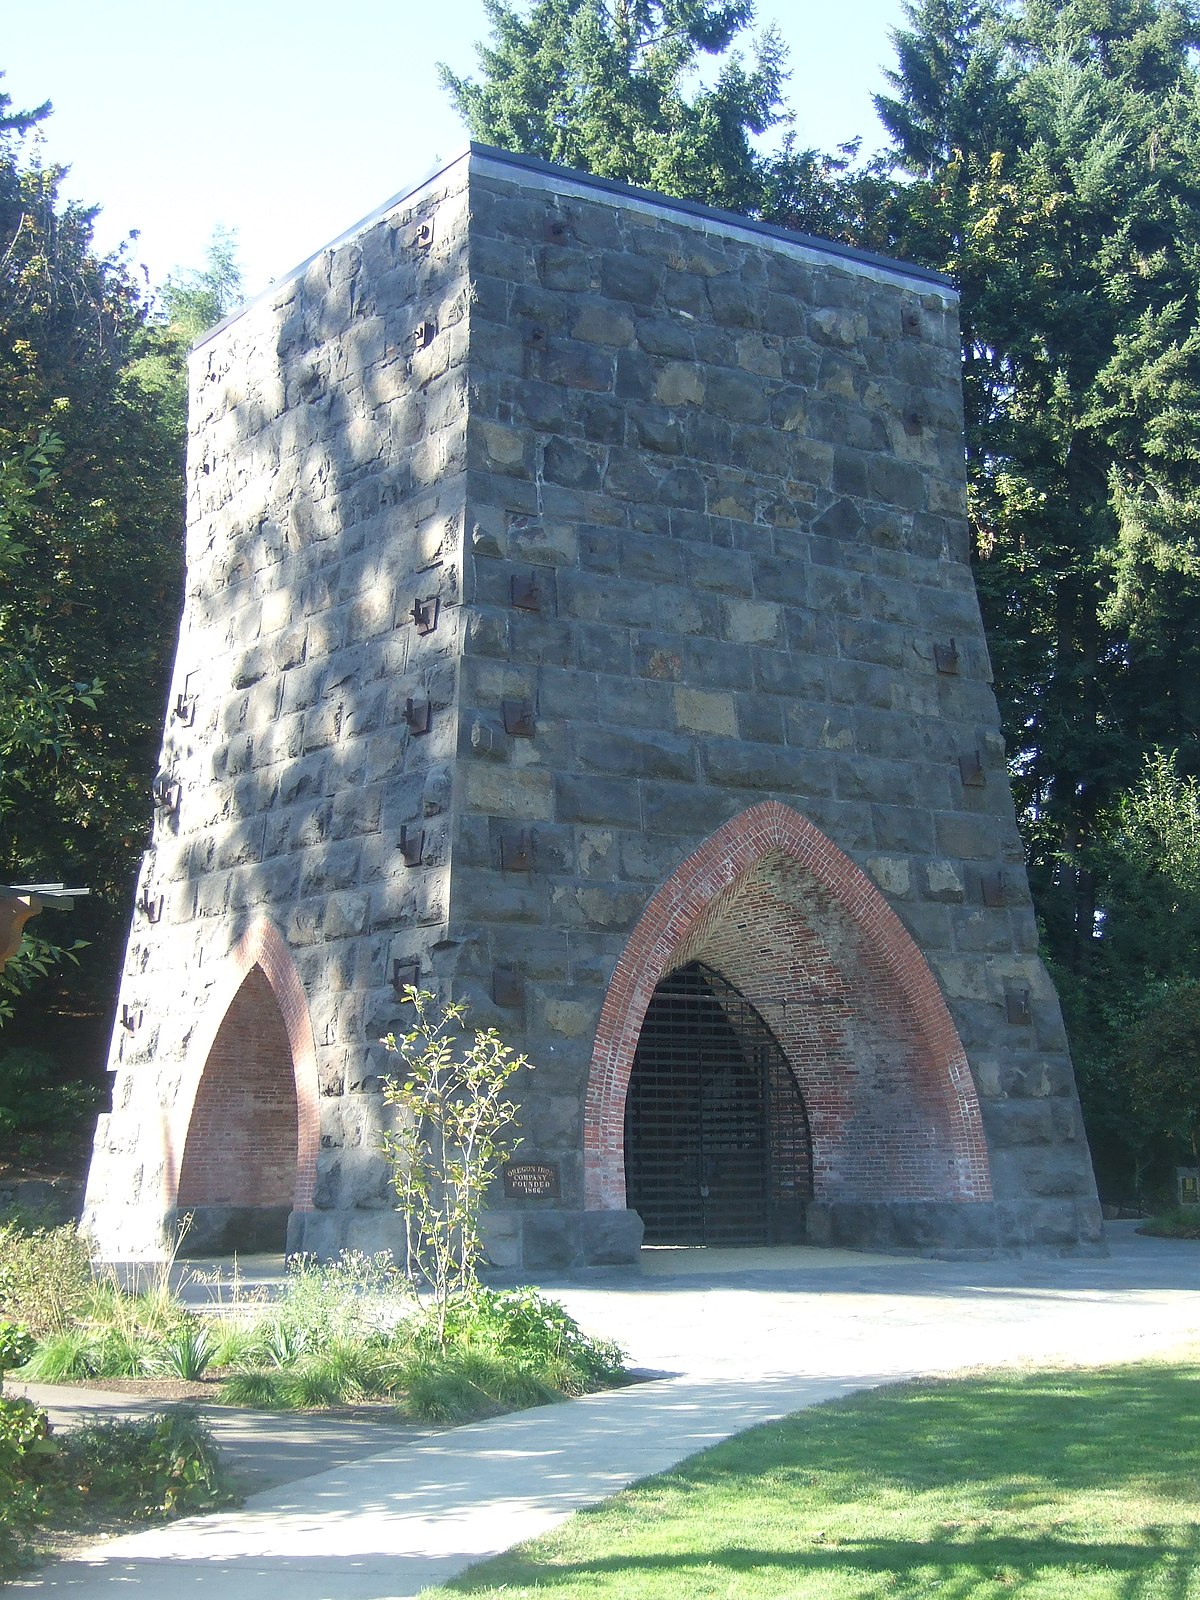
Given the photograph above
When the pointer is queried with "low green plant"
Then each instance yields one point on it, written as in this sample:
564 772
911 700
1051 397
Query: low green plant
447 1391
280 1342
119 1335
186 1351
322 1382
63 1357
24 1443
535 1334
16 1346
340 1372
1181 1223
256 1390
45 1276
162 1466
233 1343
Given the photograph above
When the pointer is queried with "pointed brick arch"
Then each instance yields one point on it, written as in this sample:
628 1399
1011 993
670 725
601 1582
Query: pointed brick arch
674 927
259 976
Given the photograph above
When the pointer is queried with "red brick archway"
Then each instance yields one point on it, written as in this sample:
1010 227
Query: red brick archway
787 917
246 1122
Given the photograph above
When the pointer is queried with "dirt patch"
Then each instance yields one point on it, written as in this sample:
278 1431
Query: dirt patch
199 1389
64 1544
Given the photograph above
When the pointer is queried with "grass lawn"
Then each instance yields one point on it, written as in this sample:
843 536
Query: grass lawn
1080 1483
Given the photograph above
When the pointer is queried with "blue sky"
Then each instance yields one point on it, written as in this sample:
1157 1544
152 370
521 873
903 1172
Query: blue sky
287 120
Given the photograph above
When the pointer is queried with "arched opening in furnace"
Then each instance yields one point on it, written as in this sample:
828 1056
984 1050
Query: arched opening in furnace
238 1174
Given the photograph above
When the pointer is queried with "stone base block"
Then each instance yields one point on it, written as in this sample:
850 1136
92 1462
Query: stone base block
325 1234
944 1229
611 1238
550 1241
922 1228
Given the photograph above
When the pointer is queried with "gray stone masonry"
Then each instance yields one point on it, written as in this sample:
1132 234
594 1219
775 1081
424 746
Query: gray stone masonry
689 496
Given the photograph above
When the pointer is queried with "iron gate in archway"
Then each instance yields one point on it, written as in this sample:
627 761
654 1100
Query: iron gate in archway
717 1144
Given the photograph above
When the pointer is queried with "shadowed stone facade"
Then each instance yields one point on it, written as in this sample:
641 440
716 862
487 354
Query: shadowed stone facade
578 588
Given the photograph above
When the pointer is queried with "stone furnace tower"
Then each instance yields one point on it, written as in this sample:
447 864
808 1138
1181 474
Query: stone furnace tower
579 623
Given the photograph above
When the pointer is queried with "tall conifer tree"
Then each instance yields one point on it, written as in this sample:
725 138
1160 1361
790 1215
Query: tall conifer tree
605 85
1054 149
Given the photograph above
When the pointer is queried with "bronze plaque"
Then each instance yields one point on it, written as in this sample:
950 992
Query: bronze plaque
532 1180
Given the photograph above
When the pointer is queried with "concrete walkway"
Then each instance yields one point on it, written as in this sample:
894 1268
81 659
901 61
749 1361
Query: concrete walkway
738 1340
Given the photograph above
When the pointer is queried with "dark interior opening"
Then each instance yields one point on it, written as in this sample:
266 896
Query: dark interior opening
717 1143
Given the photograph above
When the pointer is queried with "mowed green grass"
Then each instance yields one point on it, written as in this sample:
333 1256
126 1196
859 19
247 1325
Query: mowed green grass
1080 1483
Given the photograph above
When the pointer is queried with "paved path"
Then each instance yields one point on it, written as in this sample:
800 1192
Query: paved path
739 1341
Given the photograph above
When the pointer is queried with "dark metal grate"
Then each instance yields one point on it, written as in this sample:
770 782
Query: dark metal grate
717 1145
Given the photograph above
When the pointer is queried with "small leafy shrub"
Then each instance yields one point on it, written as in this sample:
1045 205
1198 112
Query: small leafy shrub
16 1346
45 1276
24 1443
534 1334
1181 1223
163 1466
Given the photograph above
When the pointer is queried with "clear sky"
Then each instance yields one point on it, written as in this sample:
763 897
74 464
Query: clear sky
287 120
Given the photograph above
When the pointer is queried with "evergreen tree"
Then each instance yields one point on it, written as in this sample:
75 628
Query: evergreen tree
603 85
952 83
1055 143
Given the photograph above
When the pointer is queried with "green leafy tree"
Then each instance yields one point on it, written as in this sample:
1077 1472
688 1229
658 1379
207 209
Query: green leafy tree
609 86
1162 1058
189 303
1050 157
35 716
1144 860
92 557
952 83
448 1142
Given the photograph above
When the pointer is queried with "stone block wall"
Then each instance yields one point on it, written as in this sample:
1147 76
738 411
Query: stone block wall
312 714
689 496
